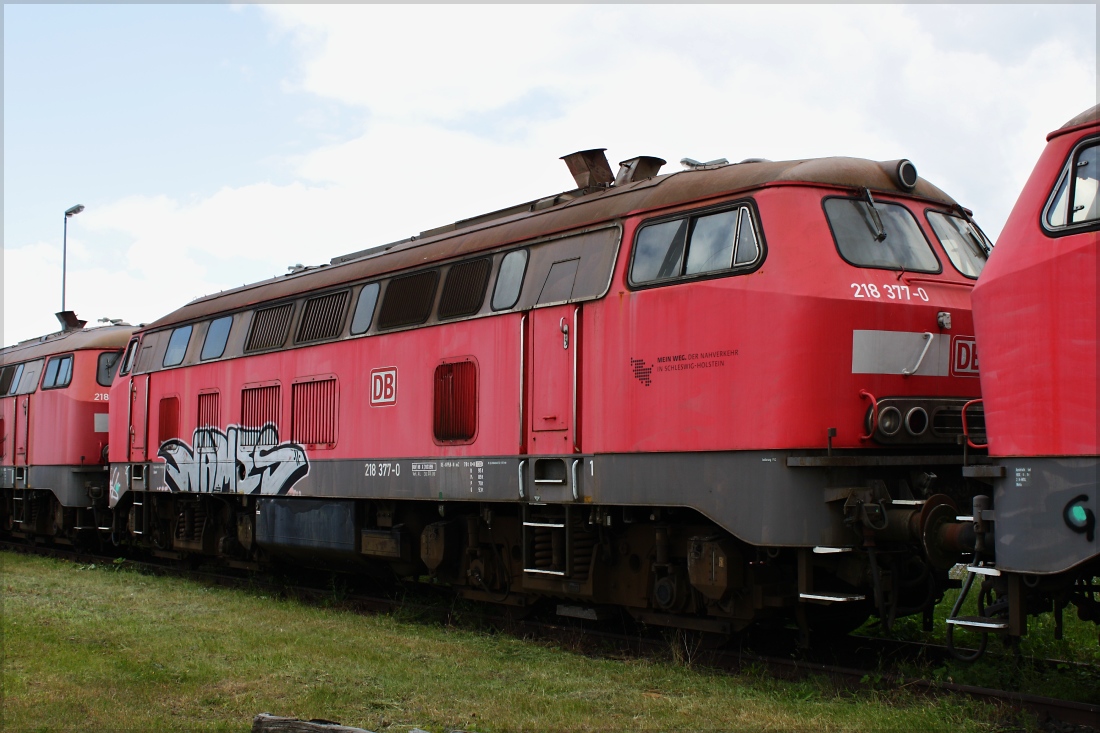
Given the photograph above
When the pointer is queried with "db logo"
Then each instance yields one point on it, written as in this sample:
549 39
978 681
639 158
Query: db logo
964 356
383 387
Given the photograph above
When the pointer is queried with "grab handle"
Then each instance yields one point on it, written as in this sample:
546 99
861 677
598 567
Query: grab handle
966 428
864 395
928 337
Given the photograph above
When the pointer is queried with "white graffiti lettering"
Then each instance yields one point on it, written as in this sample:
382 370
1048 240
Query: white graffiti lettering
240 460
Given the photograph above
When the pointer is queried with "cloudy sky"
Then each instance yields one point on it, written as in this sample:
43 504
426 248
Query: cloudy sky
215 145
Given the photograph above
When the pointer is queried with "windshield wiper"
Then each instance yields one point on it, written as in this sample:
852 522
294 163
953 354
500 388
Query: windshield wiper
972 231
875 224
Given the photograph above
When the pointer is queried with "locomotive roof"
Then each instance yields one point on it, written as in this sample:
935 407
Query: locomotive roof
102 337
1086 119
581 208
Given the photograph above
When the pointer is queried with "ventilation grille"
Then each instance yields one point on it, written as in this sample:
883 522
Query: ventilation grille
169 419
455 413
269 327
313 412
464 290
322 317
408 300
259 408
208 420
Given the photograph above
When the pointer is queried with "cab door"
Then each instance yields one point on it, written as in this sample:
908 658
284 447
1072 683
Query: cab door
553 382
7 422
22 424
139 413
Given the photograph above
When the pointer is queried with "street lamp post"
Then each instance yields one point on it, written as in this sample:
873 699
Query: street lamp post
73 211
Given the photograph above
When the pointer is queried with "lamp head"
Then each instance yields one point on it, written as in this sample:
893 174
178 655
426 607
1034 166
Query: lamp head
74 210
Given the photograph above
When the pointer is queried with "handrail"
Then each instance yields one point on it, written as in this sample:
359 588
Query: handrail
576 349
863 395
576 492
909 279
928 338
522 465
522 379
966 429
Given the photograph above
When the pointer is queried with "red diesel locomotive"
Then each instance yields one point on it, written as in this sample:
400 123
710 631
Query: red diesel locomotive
709 397
54 394
1035 318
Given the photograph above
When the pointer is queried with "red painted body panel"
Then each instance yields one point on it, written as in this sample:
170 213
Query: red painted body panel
757 361
1035 317
403 428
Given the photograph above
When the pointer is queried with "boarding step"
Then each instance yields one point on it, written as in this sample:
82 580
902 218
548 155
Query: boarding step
829 598
585 612
980 623
820 550
983 570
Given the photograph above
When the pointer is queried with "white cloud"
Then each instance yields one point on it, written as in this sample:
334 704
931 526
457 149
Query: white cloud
466 109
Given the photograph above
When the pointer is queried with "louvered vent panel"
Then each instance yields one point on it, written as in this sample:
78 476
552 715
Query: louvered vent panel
269 327
408 300
313 412
169 419
208 420
464 290
259 408
455 413
322 317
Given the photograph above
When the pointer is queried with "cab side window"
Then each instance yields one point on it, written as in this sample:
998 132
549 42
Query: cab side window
698 245
7 377
1074 202
128 360
59 372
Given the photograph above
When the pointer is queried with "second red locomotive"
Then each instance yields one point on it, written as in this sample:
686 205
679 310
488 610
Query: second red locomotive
1035 316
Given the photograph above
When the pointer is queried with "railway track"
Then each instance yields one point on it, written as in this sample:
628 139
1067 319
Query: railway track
776 651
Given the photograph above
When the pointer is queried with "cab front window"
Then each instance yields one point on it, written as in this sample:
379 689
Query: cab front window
966 246
880 235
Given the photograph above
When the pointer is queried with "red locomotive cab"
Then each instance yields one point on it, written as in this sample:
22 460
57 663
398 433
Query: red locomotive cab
54 415
846 323
1035 311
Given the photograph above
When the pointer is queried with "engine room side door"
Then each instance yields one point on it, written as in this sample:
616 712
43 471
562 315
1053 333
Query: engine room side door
139 413
553 382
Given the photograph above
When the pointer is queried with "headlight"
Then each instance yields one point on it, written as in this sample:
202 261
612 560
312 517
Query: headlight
889 420
916 421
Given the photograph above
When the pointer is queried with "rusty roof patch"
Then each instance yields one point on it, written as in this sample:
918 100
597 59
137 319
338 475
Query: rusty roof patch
103 337
695 186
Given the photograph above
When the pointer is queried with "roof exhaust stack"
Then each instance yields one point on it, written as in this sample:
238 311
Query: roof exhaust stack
69 321
638 169
589 168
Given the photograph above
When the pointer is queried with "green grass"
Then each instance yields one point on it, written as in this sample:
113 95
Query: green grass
1013 669
108 649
